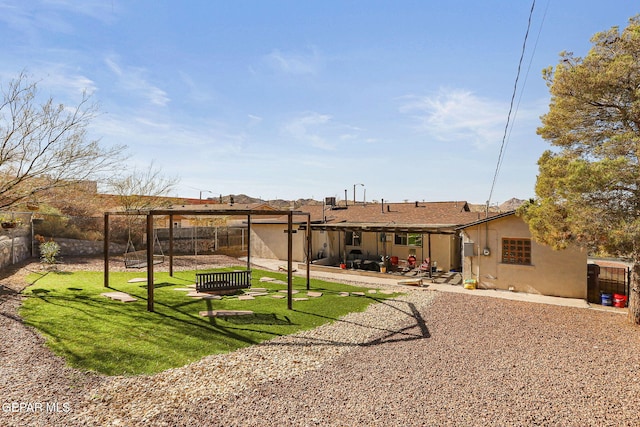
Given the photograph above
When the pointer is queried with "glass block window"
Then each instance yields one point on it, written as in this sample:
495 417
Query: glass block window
516 251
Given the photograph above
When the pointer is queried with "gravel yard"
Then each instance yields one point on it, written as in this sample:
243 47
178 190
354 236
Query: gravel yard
426 358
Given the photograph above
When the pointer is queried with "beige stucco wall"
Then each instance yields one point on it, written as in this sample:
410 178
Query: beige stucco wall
556 273
270 241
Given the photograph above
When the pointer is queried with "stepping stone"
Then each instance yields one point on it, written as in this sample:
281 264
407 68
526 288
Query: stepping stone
343 294
257 294
194 294
314 294
267 279
119 296
284 291
137 280
279 282
372 291
360 294
278 296
225 313
245 297
301 299
256 290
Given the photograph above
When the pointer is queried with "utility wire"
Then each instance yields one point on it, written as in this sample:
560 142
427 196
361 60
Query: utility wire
526 76
513 96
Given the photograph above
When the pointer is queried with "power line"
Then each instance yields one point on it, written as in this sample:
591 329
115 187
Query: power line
513 96
526 76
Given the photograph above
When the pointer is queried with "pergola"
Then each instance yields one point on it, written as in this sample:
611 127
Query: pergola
249 213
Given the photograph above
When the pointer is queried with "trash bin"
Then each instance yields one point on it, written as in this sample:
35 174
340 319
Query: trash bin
619 300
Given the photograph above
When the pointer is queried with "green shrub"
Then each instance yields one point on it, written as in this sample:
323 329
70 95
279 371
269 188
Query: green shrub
49 251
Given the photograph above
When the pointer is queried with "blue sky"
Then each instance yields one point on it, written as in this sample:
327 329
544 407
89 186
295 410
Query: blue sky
299 99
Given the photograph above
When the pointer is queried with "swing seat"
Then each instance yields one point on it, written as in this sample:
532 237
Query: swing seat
138 259
141 262
223 281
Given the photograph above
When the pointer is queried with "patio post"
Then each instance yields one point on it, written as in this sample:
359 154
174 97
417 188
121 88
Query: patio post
150 262
106 250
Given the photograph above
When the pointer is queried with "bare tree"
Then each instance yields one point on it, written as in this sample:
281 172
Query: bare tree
142 189
44 146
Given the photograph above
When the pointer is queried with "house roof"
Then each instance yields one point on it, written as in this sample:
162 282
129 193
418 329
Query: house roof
484 220
417 217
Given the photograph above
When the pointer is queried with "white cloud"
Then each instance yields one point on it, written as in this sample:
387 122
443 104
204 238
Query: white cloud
297 64
134 80
308 128
458 115
60 78
31 18
97 9
254 120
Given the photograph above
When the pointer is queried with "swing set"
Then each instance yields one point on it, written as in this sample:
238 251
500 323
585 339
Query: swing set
149 257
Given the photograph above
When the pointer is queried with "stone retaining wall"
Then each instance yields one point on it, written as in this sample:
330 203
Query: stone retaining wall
14 250
74 247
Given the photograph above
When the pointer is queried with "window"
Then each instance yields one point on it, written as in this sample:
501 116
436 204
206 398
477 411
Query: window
352 238
408 239
516 251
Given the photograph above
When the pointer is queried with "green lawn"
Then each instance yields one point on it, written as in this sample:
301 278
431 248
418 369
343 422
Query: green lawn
95 333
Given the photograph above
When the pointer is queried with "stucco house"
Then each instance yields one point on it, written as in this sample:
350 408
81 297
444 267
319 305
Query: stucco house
499 253
370 232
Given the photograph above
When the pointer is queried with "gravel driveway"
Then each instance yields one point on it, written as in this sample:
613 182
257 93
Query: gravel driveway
427 358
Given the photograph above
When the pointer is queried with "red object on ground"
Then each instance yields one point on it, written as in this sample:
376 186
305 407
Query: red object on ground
619 300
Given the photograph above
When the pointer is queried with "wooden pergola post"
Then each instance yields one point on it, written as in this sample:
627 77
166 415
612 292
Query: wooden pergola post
308 250
289 255
150 242
171 245
249 242
106 250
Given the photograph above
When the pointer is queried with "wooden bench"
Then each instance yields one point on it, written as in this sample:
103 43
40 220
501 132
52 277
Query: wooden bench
223 280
